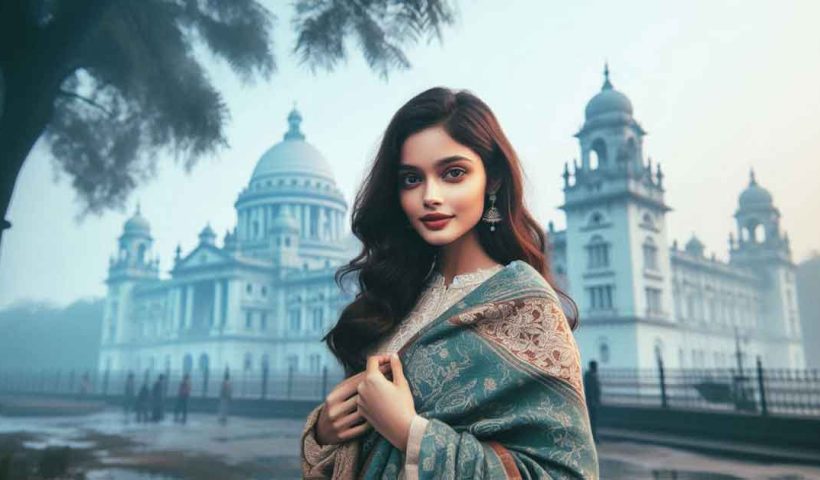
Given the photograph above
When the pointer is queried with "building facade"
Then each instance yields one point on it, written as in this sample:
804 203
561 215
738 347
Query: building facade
262 299
265 297
640 300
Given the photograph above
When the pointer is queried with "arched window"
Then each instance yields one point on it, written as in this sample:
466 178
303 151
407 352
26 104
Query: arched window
597 154
265 362
759 233
597 253
248 363
650 254
141 252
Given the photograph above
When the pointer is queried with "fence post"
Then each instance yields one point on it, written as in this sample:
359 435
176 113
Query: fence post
105 381
761 385
664 403
324 382
290 380
206 373
264 381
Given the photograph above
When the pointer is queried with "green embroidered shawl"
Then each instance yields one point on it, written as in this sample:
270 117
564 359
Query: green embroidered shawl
499 377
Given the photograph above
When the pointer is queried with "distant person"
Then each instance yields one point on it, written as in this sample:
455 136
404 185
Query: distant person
85 384
224 398
142 402
183 394
129 396
158 399
592 391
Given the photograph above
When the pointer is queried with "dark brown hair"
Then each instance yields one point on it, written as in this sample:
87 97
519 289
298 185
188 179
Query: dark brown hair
395 260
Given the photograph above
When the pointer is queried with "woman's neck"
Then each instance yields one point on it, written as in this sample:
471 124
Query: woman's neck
464 255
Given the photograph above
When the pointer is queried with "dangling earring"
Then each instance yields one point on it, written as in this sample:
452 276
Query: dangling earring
492 216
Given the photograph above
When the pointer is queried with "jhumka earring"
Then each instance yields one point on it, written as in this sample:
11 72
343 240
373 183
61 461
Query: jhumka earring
492 215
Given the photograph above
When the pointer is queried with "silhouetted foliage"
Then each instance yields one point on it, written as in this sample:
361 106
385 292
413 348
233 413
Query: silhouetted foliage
112 83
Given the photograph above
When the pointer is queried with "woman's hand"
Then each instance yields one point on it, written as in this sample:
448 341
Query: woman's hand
339 419
387 405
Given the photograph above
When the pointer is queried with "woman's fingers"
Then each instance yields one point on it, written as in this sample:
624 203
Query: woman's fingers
345 407
350 420
354 432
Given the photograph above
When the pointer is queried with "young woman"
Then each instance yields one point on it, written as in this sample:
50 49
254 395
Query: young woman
459 359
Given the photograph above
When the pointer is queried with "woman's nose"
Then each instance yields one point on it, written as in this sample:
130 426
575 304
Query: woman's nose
431 195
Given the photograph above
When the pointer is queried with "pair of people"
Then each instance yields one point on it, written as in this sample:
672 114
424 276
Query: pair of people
459 357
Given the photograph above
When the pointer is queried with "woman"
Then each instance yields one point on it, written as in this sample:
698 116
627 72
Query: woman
452 278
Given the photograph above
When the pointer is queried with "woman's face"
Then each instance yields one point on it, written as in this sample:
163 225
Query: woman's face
441 177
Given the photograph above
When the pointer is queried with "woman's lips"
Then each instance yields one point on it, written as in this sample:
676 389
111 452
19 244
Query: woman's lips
436 224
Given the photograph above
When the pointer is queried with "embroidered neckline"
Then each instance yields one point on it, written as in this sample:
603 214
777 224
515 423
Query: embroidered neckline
467 278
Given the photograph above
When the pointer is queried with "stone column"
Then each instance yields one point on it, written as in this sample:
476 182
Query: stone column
216 319
189 307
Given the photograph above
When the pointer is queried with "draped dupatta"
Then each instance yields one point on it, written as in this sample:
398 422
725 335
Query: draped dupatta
498 376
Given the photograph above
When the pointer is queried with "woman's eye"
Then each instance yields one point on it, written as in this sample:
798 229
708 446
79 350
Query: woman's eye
407 180
459 171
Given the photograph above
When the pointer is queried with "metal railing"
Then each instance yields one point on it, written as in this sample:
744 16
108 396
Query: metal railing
757 391
264 384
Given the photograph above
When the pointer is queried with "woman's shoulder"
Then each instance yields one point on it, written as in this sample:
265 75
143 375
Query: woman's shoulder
523 280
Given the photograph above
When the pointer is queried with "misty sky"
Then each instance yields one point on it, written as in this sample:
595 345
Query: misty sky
719 86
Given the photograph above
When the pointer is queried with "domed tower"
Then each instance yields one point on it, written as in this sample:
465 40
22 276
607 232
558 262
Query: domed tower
618 266
758 225
132 265
292 175
763 248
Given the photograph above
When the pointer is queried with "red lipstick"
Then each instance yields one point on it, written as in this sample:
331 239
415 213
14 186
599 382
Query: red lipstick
436 221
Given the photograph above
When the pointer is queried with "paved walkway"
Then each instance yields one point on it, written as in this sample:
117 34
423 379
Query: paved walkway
269 449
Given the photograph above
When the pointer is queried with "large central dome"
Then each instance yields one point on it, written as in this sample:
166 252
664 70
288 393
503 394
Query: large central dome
293 155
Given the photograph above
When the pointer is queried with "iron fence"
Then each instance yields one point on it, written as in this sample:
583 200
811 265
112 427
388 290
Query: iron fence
264 384
758 391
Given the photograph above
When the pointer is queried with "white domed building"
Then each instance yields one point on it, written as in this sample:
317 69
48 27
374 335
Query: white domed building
640 300
262 299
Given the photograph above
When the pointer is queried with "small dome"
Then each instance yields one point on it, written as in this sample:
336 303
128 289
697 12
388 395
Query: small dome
285 221
608 100
293 155
137 224
755 196
207 235
694 246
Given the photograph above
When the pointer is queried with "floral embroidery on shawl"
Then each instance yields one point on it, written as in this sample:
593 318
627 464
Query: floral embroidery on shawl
533 330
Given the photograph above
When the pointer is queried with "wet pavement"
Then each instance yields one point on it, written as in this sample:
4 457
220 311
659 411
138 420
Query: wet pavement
251 448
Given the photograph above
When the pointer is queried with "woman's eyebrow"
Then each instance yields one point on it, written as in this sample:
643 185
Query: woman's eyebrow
439 163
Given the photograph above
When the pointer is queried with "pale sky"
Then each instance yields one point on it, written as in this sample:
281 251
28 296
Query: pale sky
721 86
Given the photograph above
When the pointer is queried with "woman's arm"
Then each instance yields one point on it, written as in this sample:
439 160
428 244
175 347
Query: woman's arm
317 460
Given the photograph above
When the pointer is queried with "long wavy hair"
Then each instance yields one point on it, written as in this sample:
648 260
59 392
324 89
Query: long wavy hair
395 260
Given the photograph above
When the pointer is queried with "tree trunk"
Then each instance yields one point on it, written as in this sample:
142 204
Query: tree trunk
34 61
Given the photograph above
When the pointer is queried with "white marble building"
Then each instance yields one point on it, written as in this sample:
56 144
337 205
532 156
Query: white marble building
263 298
267 294
640 299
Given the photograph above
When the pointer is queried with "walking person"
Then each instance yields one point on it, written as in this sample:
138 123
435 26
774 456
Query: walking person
225 398
183 395
143 399
129 396
158 399
592 391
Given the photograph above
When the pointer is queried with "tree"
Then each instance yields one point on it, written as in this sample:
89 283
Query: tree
111 83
